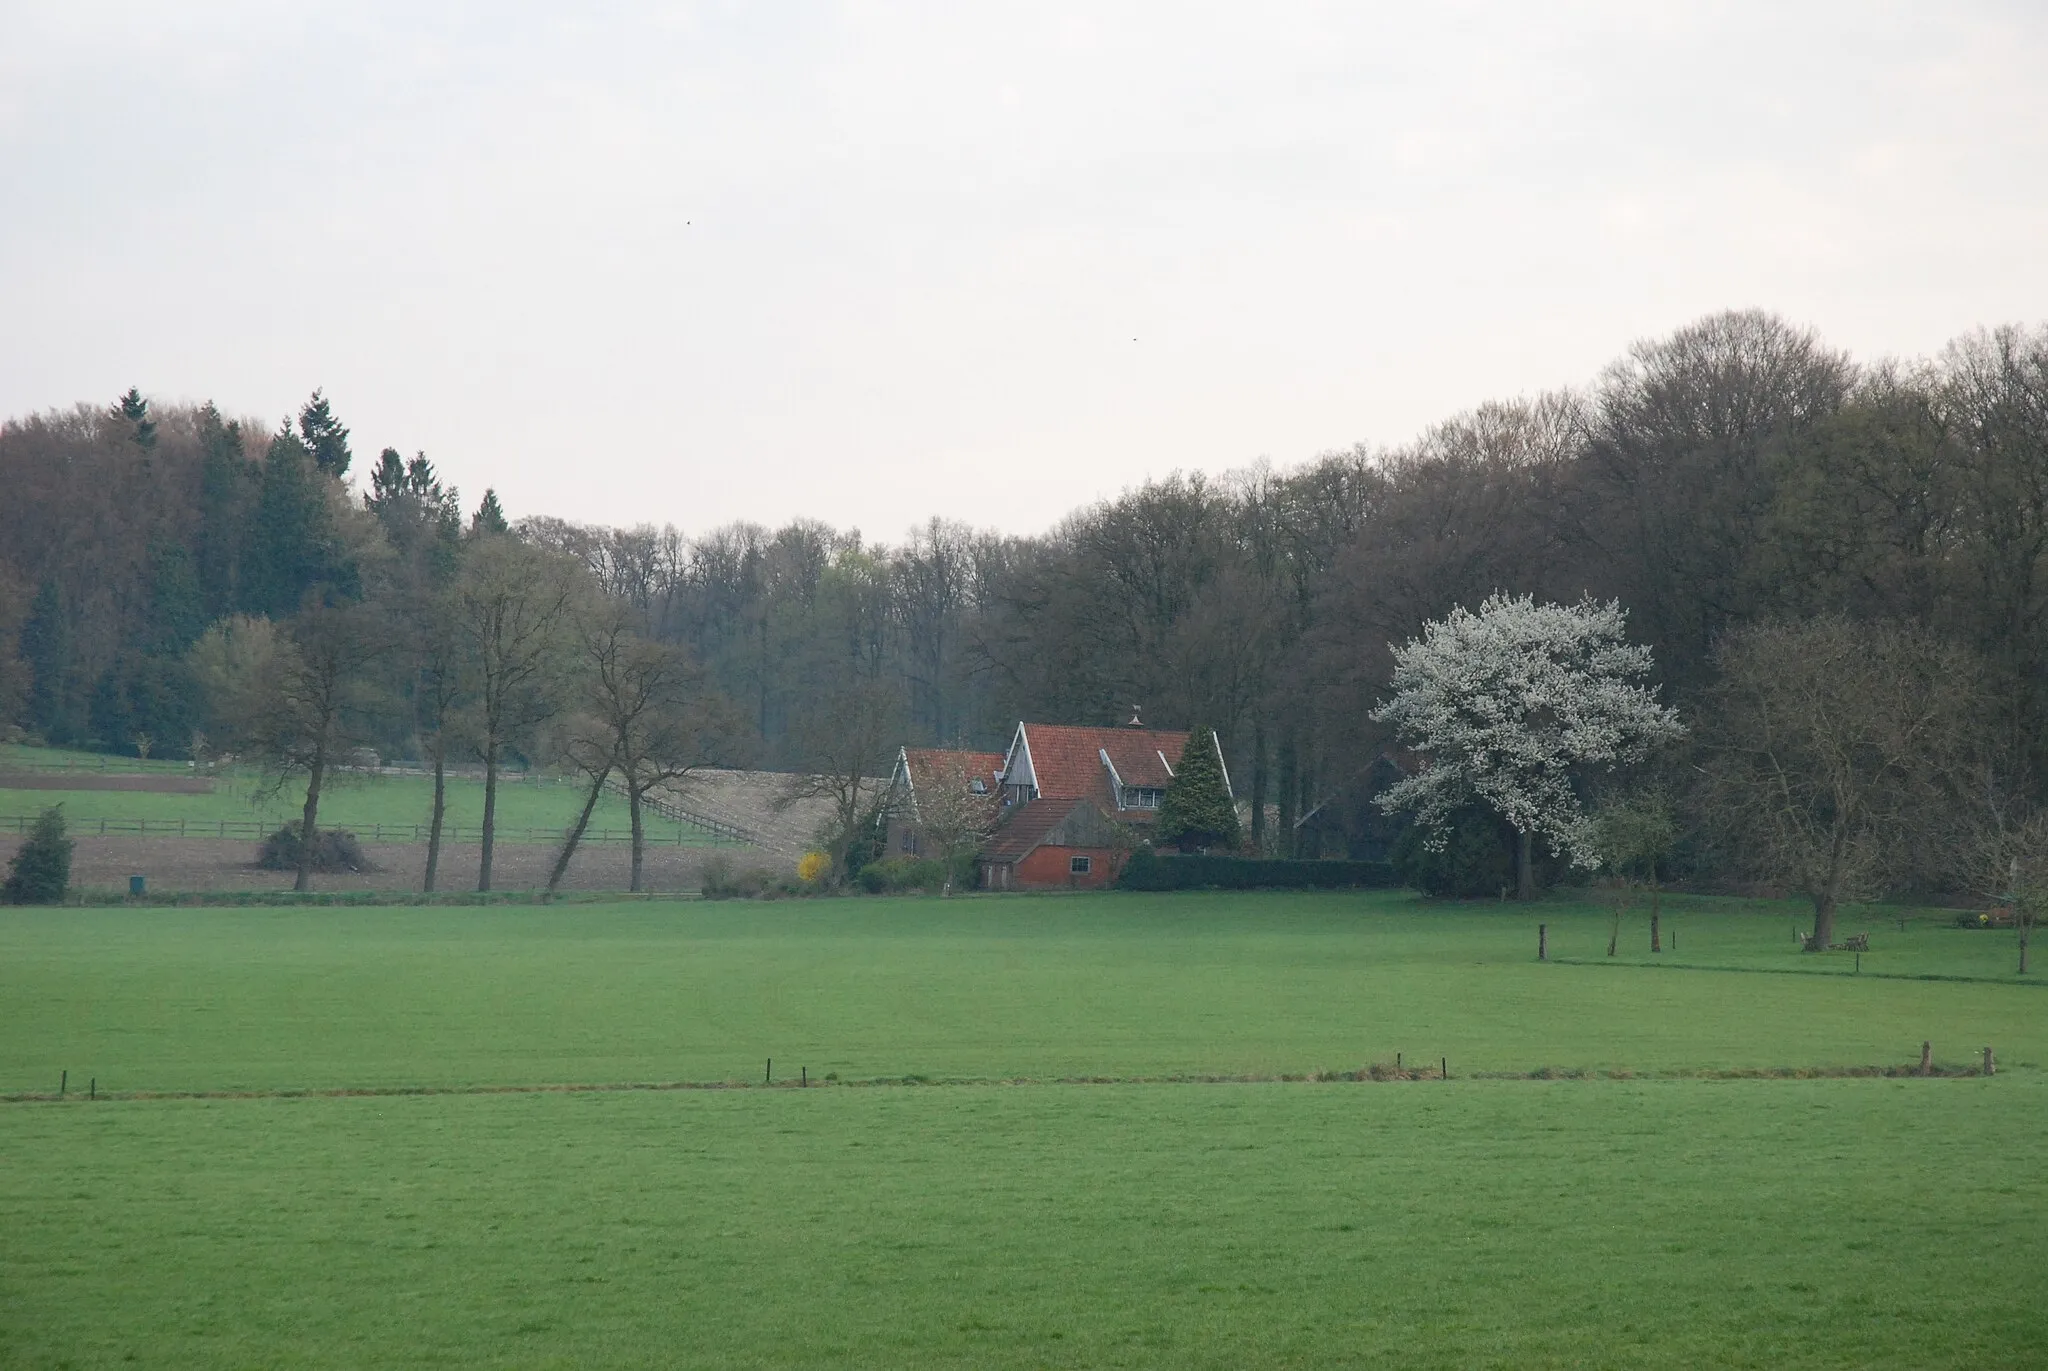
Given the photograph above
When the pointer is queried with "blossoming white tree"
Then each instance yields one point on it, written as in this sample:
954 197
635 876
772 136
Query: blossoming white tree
1507 705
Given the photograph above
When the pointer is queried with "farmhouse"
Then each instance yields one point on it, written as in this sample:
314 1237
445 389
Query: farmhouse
933 788
1075 799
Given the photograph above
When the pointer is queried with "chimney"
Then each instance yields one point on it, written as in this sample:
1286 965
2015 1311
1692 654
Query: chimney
1135 722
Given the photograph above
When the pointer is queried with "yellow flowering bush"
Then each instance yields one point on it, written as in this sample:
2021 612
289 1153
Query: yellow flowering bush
812 868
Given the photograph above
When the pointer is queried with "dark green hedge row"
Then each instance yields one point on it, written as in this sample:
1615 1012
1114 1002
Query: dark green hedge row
1147 870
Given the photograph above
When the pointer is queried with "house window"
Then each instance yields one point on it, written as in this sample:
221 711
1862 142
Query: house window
910 841
1080 866
978 786
1142 797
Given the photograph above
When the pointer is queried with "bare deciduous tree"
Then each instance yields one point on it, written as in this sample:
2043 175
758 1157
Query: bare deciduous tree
511 606
952 815
844 732
646 717
1830 747
295 699
2009 864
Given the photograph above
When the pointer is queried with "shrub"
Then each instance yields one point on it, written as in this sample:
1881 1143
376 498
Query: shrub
1148 870
721 882
813 867
335 849
1477 859
41 870
902 873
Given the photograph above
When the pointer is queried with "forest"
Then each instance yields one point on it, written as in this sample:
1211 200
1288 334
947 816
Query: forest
1753 499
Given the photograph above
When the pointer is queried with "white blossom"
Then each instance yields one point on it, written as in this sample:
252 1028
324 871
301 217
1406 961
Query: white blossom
1505 704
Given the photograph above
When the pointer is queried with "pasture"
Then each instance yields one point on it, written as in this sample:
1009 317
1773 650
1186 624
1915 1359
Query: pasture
361 801
1650 1214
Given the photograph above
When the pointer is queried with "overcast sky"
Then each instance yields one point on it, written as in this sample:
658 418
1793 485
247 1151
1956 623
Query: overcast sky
868 263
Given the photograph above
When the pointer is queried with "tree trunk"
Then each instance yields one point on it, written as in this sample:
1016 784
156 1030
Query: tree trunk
633 793
309 831
1614 934
1823 922
2026 924
440 812
1289 785
576 834
1259 788
483 871
1525 866
1656 918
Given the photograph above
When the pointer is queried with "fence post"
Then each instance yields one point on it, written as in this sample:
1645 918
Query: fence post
1542 942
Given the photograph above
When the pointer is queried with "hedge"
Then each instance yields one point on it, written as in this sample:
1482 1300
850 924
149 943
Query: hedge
1148 870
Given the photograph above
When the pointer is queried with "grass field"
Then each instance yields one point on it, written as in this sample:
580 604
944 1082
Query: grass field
355 801
1661 1220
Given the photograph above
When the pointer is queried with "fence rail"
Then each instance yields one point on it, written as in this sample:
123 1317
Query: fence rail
258 830
676 813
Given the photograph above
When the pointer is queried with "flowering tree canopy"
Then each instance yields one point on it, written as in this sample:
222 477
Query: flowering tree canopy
1506 704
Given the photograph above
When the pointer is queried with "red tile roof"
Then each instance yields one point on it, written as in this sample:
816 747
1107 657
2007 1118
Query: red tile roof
1025 828
1068 760
932 768
928 765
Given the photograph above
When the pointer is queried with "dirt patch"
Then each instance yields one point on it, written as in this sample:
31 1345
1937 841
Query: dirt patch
133 781
198 864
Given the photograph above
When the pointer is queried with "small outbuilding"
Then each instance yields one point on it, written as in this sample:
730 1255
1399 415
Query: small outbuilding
1054 844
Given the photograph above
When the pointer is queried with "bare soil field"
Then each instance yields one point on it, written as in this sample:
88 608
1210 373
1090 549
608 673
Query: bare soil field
203 864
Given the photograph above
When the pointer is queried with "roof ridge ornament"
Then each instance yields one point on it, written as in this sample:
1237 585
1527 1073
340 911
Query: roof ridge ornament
1135 722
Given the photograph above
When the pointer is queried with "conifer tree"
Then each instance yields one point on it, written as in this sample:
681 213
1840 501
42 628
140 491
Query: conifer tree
41 870
325 437
1197 810
135 410
387 478
490 516
227 480
45 645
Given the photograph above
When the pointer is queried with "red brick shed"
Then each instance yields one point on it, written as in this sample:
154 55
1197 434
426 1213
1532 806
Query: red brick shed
1053 845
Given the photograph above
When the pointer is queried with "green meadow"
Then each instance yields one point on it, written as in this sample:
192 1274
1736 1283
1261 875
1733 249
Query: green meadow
950 1194
359 801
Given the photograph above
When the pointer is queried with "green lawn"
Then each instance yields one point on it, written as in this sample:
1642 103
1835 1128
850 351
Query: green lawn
355 801
1474 1222
190 999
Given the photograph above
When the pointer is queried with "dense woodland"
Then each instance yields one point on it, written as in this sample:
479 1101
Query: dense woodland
1737 474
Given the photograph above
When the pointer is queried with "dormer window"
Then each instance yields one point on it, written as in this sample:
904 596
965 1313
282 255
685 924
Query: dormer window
978 786
1142 797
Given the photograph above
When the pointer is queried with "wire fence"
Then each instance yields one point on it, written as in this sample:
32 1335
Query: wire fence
688 835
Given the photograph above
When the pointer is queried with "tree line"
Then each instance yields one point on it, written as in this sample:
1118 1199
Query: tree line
1735 476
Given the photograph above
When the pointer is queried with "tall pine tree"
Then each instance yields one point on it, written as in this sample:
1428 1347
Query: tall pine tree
325 437
227 483
133 409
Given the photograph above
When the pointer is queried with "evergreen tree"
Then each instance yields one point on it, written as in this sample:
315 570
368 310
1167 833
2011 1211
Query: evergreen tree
41 870
226 481
288 540
325 436
177 604
490 516
1197 810
135 410
46 647
387 479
